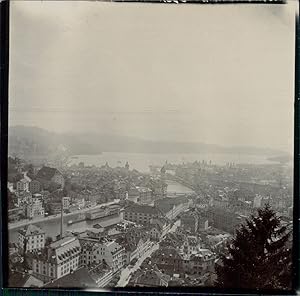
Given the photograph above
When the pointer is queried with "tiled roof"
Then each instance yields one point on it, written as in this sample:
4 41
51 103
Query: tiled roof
63 248
46 173
113 247
165 252
152 278
23 181
142 209
17 279
166 204
31 230
110 222
78 279
99 270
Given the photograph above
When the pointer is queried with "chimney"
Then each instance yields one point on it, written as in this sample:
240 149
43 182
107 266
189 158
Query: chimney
61 218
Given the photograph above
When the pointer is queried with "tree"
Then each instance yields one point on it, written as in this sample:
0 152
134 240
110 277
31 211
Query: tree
258 257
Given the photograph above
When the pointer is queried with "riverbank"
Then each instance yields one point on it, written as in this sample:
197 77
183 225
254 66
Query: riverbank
19 224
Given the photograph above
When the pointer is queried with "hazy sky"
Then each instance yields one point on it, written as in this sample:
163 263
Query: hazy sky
207 73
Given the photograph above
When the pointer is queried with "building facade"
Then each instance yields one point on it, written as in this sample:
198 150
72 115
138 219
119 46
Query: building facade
96 252
141 214
31 238
35 186
23 185
57 260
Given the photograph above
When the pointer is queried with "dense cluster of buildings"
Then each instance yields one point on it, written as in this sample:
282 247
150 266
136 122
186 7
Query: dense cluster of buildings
135 227
29 195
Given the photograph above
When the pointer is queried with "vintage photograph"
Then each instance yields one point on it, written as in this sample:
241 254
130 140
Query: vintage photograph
150 145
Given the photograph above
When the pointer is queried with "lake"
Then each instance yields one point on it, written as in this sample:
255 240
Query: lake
142 161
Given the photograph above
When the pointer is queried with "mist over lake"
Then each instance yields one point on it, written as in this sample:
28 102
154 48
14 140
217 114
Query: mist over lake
142 161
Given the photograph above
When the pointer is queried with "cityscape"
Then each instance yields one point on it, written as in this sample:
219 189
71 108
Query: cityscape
103 227
151 146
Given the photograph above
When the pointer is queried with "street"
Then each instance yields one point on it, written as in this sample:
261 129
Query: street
127 272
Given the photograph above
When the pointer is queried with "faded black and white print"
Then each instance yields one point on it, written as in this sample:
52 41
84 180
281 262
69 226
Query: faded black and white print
150 145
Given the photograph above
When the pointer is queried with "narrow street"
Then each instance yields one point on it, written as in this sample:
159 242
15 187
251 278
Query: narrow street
127 272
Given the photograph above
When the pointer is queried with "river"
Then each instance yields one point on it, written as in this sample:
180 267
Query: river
52 227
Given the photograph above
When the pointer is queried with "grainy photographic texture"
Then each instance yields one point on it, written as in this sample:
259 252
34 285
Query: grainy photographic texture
150 145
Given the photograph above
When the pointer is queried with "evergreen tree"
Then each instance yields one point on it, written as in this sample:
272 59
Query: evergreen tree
258 257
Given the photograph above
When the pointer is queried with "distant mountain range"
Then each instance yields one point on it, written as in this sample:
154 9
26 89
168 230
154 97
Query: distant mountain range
24 140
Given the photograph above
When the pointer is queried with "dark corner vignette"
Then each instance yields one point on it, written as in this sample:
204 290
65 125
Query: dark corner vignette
4 64
296 232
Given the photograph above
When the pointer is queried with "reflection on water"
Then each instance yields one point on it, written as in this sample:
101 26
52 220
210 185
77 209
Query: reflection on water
52 227
174 187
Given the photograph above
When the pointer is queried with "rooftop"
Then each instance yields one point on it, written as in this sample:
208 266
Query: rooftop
142 209
109 222
77 279
31 230
19 279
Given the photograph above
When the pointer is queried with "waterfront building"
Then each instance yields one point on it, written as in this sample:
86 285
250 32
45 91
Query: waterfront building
15 214
57 260
23 197
31 238
35 208
141 214
109 223
55 207
112 210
